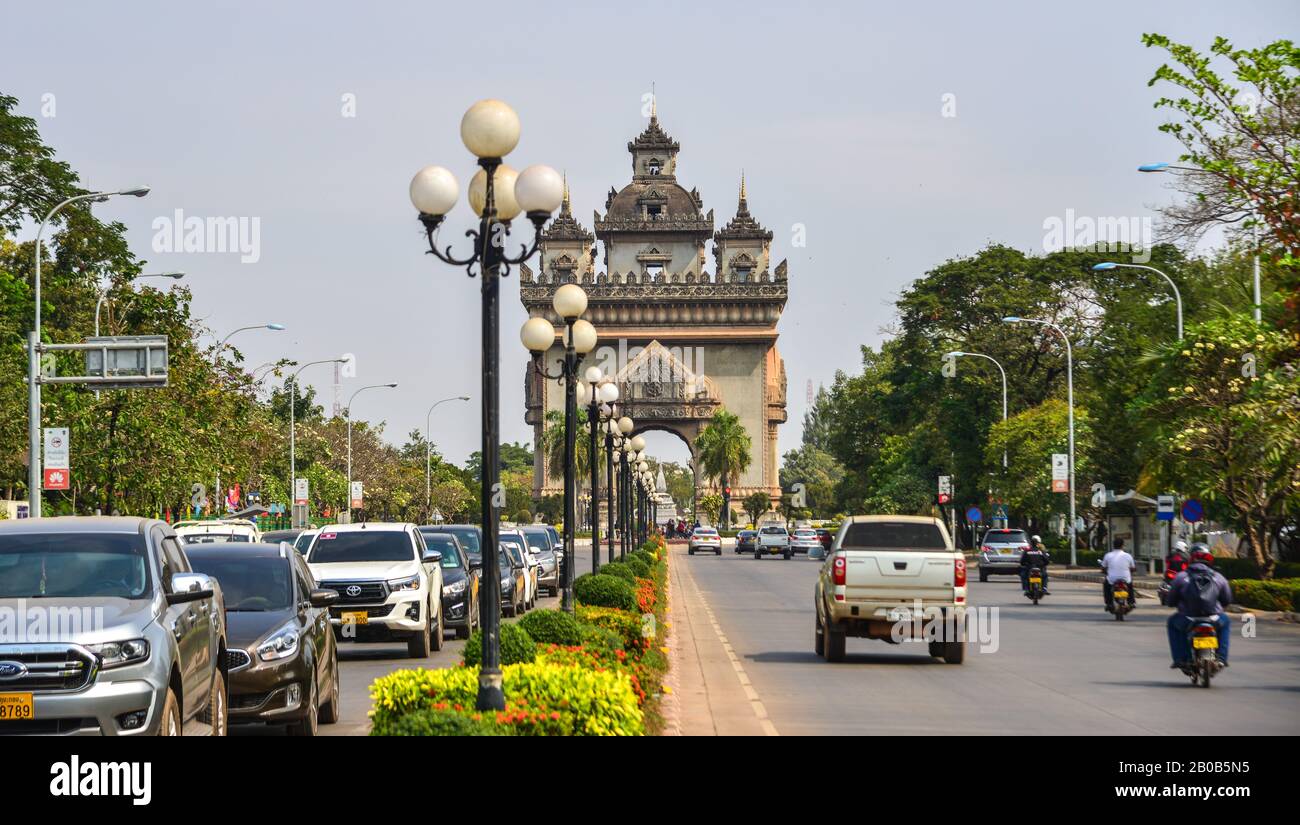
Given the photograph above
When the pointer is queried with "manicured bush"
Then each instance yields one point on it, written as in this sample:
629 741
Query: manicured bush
605 591
517 647
645 556
548 627
618 568
601 638
624 623
1267 594
432 722
542 698
1246 569
638 566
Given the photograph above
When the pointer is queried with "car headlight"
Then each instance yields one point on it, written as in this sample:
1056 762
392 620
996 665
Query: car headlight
281 644
413 583
455 588
116 654
508 584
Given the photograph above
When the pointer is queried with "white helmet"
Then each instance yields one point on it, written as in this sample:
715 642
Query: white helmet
1037 539
1181 545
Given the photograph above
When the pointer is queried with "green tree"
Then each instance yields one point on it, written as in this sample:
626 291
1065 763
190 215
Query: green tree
756 504
724 451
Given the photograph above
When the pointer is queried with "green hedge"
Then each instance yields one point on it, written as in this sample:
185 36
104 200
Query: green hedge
517 647
638 566
430 722
1269 594
605 591
1246 569
552 627
618 568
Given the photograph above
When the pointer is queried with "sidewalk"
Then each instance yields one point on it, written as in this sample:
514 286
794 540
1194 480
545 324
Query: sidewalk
711 694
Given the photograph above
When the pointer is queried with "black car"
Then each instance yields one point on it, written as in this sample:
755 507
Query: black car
281 659
470 537
459 582
745 540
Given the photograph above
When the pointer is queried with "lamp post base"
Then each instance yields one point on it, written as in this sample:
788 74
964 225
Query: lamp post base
491 696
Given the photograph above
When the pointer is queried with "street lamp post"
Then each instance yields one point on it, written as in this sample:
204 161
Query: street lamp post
221 346
958 354
293 425
1069 379
1178 297
428 454
602 393
34 480
497 194
608 427
538 335
348 412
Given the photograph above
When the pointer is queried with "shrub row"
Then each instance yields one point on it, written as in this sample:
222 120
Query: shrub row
1267 594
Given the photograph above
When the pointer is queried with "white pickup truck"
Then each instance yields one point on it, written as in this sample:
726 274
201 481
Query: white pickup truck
884 577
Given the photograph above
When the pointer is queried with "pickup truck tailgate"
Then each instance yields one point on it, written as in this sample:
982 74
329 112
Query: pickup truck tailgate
898 576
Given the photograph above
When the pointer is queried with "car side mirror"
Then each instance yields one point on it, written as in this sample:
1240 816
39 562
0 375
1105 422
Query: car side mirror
323 598
432 556
190 587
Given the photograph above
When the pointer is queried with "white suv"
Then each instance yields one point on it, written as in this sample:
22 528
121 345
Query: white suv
389 584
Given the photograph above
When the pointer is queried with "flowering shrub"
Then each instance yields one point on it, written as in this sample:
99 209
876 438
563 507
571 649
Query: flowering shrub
645 595
600 660
626 624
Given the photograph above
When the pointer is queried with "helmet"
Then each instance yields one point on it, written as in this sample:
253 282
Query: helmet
1180 547
1036 539
1201 553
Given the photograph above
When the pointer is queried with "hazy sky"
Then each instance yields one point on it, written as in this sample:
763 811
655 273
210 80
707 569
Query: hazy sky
835 112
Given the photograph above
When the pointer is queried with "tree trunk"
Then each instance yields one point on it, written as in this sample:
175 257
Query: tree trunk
1258 535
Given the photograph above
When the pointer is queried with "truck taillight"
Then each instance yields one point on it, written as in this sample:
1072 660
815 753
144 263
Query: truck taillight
959 573
838 571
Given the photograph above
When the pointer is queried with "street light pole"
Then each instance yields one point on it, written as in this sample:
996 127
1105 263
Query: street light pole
293 424
428 453
348 412
958 354
34 463
216 357
1178 297
1069 378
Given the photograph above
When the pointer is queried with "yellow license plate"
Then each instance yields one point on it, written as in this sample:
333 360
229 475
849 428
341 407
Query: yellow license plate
1205 643
355 618
1121 594
15 706
1035 580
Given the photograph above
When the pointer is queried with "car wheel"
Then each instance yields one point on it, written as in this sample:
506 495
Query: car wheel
171 716
464 632
331 712
954 652
418 648
834 644
310 721
439 632
819 637
215 713
719 549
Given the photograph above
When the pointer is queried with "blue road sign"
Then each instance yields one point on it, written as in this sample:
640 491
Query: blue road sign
1192 510
974 515
1000 512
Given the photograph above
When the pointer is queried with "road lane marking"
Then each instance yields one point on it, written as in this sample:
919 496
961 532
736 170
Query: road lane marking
755 703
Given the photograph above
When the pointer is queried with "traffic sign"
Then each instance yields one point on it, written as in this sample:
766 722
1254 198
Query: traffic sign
357 497
945 489
1060 473
1165 507
1192 510
973 515
57 473
300 491
1000 512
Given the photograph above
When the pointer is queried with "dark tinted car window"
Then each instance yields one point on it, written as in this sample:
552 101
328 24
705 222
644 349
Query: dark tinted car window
73 565
253 584
512 548
1007 536
361 546
468 538
893 535
445 544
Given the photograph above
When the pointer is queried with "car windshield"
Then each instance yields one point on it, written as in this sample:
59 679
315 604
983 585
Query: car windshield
250 584
805 534
468 538
894 535
212 538
1006 537
706 531
539 543
361 546
303 542
511 546
73 565
444 544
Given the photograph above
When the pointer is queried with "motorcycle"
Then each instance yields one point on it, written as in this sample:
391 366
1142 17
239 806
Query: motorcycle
1034 591
1119 599
1203 637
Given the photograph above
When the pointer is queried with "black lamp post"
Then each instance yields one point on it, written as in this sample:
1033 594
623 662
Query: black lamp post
600 393
538 336
490 130
612 444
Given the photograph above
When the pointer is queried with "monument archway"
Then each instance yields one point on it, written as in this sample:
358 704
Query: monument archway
682 341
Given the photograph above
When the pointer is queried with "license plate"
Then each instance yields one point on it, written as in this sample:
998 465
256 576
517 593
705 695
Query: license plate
1205 643
900 614
355 618
1121 594
16 706
1005 551
1035 580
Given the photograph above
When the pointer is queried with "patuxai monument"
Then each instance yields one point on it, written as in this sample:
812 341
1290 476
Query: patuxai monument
684 335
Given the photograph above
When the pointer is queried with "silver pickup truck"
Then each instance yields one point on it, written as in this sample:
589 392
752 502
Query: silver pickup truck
112 632
884 576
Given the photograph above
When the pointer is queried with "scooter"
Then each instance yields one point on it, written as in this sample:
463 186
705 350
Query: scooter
1034 591
1203 637
1119 599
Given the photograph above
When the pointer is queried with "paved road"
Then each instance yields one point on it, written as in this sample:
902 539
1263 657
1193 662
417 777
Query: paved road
1064 666
360 664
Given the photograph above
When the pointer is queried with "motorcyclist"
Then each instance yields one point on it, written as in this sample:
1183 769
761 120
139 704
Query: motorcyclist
1200 591
1118 566
1035 556
1177 560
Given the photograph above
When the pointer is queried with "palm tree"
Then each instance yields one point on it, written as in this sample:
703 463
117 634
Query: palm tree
553 447
724 451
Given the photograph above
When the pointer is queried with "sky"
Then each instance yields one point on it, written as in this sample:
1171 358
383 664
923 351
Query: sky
897 136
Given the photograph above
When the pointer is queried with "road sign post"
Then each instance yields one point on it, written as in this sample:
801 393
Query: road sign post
57 473
1060 473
